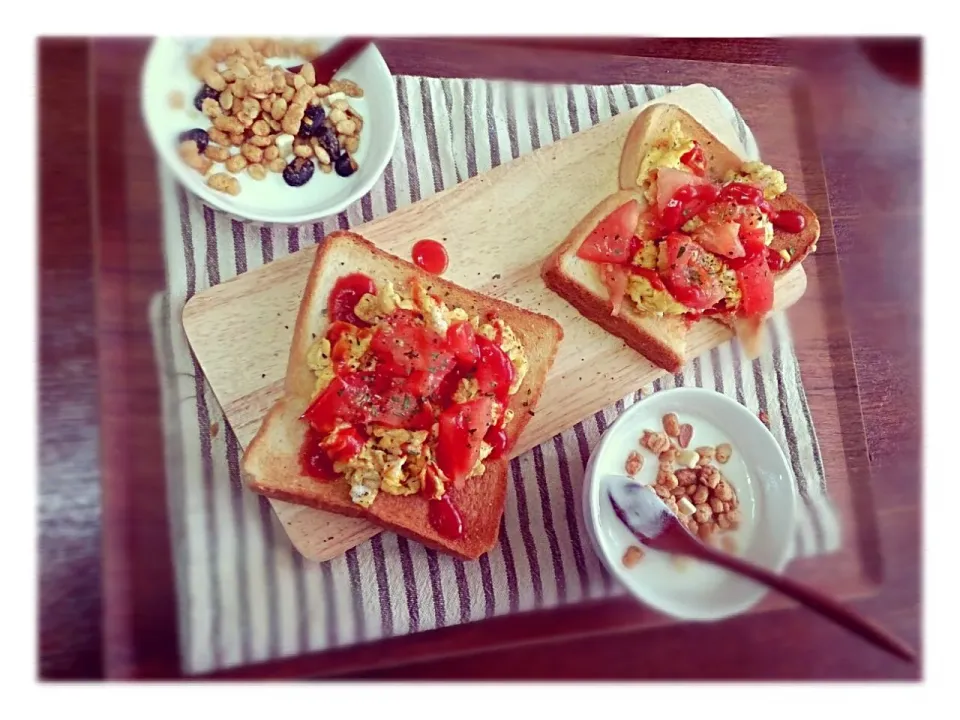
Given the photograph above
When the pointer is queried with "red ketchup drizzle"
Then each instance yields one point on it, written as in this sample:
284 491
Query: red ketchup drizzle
346 294
790 221
313 458
445 518
496 438
430 256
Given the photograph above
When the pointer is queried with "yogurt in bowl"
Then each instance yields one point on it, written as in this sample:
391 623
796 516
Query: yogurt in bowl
759 474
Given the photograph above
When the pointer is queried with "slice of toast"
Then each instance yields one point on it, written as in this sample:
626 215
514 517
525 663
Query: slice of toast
271 464
662 340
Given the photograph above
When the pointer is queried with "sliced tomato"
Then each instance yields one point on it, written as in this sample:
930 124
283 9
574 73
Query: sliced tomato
407 348
669 181
462 342
687 278
695 159
462 429
343 444
721 239
397 407
347 398
615 278
495 373
610 240
346 294
756 284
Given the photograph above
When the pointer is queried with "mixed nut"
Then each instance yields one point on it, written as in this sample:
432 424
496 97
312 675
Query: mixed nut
689 483
265 118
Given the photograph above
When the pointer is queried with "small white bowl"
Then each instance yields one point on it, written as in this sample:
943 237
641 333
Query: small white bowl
271 200
759 473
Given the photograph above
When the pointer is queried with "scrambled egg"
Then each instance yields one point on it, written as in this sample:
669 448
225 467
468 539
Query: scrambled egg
666 152
728 278
648 298
757 173
395 460
319 357
467 390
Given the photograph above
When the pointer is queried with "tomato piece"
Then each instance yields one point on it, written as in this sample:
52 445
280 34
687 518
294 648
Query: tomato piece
397 408
609 241
721 239
687 278
408 349
345 295
424 418
496 438
462 429
695 159
347 398
615 278
462 342
756 284
343 444
670 181
495 373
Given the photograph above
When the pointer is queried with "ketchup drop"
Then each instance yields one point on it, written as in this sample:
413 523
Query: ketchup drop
445 518
346 294
313 458
430 256
789 221
496 438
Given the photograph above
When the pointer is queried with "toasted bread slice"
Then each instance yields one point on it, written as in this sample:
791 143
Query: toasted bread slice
660 339
271 463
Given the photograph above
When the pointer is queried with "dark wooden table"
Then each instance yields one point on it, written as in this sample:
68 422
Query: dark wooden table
106 595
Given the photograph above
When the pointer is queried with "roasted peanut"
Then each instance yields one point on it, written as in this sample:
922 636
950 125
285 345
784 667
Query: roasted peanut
709 476
224 183
634 463
217 153
227 124
705 452
252 153
687 476
700 495
277 165
236 163
257 171
686 435
632 556
704 513
717 505
655 442
261 141
667 479
724 451
671 424
723 491
271 153
211 108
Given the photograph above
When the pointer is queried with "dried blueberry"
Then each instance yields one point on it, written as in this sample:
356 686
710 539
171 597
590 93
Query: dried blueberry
344 165
312 121
328 140
298 172
205 92
198 135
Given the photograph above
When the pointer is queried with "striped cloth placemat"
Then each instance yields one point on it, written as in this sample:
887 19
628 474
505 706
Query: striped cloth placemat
245 595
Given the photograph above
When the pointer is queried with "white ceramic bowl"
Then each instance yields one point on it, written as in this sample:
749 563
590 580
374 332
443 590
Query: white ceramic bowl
759 473
271 199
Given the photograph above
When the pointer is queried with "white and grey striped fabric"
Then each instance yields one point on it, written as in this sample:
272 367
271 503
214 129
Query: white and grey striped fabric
244 594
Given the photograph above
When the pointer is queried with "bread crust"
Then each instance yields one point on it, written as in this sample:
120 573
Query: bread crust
651 124
271 465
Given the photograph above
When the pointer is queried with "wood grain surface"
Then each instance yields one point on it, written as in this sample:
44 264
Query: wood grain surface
497 253
872 170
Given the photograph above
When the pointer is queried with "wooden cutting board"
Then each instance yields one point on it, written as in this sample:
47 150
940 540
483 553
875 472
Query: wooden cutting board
497 227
